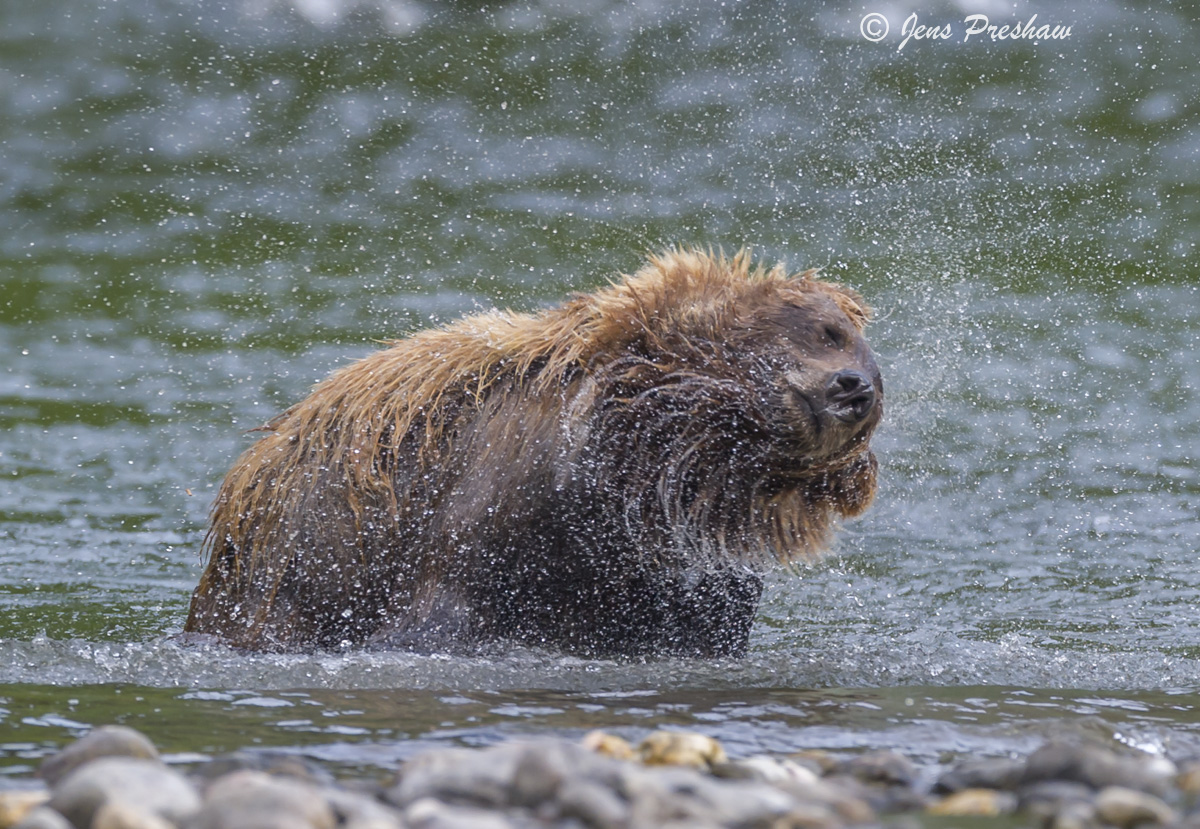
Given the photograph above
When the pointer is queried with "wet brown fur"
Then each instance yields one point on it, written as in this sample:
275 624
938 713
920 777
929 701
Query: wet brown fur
542 477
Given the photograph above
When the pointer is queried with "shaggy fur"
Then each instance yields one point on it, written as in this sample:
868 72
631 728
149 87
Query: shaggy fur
608 476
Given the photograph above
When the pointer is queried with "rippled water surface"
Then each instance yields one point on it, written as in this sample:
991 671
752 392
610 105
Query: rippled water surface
208 206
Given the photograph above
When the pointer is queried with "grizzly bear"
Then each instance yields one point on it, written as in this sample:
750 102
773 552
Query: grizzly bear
608 477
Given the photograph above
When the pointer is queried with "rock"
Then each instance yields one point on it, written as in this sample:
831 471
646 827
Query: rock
116 814
846 799
146 784
256 800
105 741
1042 801
661 796
539 773
43 817
880 797
1074 816
1188 779
1124 807
988 773
428 813
457 776
593 804
15 805
277 763
975 803
357 810
881 767
608 745
1097 766
819 762
680 748
765 769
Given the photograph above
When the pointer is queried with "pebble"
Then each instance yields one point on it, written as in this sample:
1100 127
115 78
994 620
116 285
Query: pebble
272 762
884 767
113 779
253 800
1078 815
1188 779
1097 767
117 814
766 769
1124 807
43 817
985 773
608 745
975 803
146 784
428 813
360 810
15 805
457 776
105 741
680 748
1046 799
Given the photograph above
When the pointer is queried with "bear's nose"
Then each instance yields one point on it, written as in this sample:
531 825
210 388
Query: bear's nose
851 395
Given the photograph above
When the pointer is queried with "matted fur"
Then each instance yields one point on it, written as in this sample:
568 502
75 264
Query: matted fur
543 476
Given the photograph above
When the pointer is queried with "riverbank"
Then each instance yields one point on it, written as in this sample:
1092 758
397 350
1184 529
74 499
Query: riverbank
114 778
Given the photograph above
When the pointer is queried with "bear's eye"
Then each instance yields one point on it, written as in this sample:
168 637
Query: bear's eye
835 336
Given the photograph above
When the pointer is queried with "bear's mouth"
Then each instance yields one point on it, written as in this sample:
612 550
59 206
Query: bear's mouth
823 421
850 396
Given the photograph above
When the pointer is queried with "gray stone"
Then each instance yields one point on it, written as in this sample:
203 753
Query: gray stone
880 796
847 800
359 810
43 817
146 784
975 803
593 804
1097 766
116 814
428 813
1123 807
105 741
542 768
765 769
668 795
458 776
255 800
1043 801
278 763
17 803
1074 816
988 773
881 767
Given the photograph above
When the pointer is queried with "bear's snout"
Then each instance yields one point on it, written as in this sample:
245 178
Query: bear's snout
850 395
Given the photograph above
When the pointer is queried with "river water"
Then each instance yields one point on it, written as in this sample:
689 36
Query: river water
208 206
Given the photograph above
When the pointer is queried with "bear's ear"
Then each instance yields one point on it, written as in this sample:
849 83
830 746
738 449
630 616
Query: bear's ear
848 300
